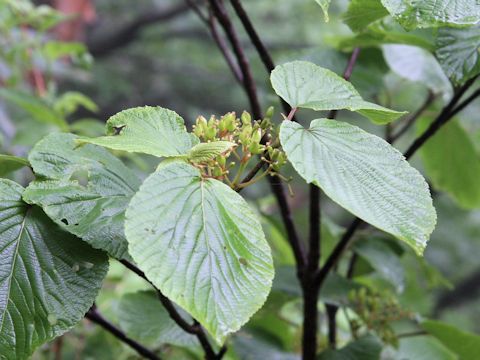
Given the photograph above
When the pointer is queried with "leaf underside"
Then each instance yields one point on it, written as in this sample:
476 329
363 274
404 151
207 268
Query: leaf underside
365 175
305 85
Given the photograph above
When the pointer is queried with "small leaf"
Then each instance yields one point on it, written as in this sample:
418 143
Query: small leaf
458 51
452 162
365 175
84 189
10 163
383 259
38 109
361 13
433 13
48 278
199 242
70 101
305 85
149 130
142 316
419 65
324 4
207 151
366 348
465 345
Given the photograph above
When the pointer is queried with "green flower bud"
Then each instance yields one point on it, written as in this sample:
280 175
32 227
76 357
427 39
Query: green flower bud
246 118
269 112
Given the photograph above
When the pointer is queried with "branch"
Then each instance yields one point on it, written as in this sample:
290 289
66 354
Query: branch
466 290
194 329
248 83
410 120
447 113
94 316
106 44
257 42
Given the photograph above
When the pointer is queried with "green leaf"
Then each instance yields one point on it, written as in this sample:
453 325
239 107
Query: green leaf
38 109
366 348
70 101
458 51
207 151
324 4
48 278
452 162
361 13
142 316
433 13
10 163
305 85
465 345
419 65
383 259
365 175
53 50
84 189
150 130
199 242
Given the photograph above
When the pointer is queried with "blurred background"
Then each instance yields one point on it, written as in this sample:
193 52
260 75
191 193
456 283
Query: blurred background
73 69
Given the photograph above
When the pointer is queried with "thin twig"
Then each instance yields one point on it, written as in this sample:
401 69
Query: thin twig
94 316
257 43
221 14
410 120
194 328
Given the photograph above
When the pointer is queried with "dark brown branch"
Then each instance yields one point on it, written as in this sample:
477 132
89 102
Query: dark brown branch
332 324
410 120
94 316
223 18
447 113
257 42
128 33
220 41
194 329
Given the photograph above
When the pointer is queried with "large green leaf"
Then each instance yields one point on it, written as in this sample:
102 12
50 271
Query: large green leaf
324 4
433 13
366 348
84 189
199 242
48 278
150 130
362 13
452 162
143 317
458 51
365 175
419 65
305 85
465 345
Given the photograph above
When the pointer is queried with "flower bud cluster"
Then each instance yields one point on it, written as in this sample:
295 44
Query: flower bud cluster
377 311
252 137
